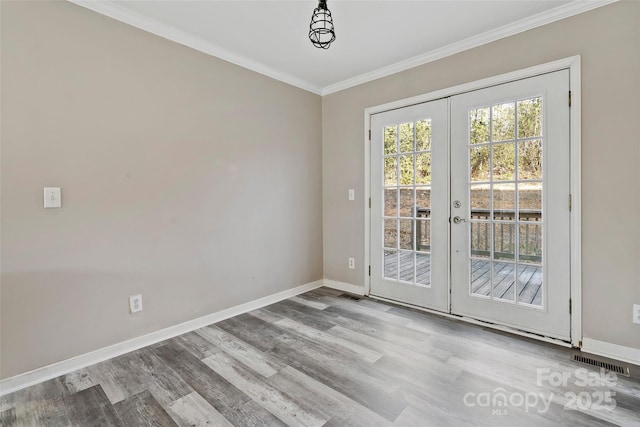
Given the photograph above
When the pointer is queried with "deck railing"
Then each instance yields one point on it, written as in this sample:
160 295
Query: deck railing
505 234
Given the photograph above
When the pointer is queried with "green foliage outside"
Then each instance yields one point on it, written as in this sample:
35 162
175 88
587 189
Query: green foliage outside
404 141
503 119
486 124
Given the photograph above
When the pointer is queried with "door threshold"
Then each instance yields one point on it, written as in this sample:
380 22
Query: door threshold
471 320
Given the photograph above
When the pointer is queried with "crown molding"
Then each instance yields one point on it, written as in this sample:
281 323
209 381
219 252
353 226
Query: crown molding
112 10
561 12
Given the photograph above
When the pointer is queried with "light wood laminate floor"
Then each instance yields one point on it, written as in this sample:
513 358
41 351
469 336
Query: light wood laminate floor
322 359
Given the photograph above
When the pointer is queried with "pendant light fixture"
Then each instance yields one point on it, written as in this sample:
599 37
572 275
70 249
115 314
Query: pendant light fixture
321 32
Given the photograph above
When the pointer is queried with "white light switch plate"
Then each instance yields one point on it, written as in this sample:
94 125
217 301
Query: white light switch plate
352 194
52 197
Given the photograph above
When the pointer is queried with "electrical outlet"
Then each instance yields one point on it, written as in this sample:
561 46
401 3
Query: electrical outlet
636 313
135 303
352 263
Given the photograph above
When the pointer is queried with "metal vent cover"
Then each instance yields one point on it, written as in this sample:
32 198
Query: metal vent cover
618 369
350 296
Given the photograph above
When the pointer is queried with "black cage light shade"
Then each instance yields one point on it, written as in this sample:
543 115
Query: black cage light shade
321 31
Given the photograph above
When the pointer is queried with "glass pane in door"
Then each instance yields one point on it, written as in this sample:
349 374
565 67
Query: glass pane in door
505 154
407 203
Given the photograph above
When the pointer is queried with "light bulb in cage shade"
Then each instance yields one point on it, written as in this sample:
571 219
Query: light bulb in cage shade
321 31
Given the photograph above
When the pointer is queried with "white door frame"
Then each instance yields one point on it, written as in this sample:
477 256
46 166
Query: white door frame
573 65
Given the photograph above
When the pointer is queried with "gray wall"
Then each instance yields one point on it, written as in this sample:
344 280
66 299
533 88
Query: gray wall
188 179
608 39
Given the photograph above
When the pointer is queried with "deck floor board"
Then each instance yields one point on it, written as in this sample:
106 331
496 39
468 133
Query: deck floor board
528 284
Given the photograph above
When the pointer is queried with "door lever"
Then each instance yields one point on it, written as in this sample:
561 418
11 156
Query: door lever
458 220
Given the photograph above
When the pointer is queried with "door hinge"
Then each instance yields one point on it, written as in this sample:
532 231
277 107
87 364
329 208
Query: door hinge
369 202
569 305
569 98
570 202
369 270
369 134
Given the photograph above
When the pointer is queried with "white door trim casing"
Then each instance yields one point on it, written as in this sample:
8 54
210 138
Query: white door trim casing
573 65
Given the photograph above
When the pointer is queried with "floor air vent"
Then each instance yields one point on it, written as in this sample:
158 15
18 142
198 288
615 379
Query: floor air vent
350 296
618 369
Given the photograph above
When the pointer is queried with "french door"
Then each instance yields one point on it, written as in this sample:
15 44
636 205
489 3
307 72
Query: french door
409 199
510 179
475 221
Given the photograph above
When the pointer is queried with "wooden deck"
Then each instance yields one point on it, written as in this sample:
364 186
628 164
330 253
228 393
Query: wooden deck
423 267
529 277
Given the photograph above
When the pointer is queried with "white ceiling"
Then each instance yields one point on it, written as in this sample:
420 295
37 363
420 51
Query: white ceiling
373 38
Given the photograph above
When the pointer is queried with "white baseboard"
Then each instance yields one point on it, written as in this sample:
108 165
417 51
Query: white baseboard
612 351
20 381
342 286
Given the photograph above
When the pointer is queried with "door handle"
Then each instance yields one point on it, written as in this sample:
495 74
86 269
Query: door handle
458 220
